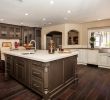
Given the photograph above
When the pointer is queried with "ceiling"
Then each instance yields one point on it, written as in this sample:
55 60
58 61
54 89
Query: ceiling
43 13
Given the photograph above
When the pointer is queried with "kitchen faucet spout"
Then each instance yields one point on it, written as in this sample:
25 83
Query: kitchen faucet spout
34 43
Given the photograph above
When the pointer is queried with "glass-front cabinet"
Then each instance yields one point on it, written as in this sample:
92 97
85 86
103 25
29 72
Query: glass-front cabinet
24 33
10 31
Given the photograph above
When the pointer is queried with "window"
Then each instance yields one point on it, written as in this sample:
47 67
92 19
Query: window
102 37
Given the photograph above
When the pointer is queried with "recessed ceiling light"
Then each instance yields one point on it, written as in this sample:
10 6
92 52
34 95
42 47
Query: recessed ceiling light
69 11
26 14
51 2
44 19
1 19
99 19
21 23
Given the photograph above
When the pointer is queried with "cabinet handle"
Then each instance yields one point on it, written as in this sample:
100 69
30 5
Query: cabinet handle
36 73
35 85
35 64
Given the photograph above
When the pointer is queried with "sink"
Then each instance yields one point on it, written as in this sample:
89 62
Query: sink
27 53
104 50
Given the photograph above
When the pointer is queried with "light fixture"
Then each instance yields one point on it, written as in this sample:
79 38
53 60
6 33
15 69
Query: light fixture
21 23
1 19
44 19
49 23
69 11
51 2
65 18
26 14
99 19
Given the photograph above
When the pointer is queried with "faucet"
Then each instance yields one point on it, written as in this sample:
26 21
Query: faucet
34 43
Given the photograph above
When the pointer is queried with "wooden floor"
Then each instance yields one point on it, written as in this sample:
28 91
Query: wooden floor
94 84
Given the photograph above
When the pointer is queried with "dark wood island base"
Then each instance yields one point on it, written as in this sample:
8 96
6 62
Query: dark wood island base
45 78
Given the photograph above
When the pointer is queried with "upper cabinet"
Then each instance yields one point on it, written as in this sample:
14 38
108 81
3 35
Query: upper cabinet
28 34
73 36
24 33
38 37
10 31
32 33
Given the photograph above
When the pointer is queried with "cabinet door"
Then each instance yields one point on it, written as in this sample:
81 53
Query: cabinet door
102 59
92 57
55 74
9 64
21 73
79 56
68 68
4 32
82 56
17 32
108 60
19 69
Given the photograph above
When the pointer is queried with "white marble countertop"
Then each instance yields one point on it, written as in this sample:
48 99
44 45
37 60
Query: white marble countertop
40 55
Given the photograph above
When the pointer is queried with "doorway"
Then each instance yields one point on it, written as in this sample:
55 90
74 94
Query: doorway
56 36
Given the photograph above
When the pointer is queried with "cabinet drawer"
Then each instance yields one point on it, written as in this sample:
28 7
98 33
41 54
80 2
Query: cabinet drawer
9 59
37 85
37 72
20 62
36 63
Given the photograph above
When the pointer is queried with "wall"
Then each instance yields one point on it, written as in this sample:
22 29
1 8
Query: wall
64 28
46 30
82 28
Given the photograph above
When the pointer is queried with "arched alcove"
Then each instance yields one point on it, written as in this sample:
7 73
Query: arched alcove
56 36
73 36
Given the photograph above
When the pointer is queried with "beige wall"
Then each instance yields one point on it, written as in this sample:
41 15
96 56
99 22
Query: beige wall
64 28
92 25
46 30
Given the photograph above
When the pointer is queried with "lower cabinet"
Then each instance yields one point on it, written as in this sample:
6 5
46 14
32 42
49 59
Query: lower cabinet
46 79
18 68
88 56
82 56
92 57
104 60
9 63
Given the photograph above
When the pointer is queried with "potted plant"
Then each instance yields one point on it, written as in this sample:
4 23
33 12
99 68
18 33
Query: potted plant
92 40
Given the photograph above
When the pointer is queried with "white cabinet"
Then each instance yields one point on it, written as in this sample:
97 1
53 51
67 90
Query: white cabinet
108 60
104 60
82 56
92 57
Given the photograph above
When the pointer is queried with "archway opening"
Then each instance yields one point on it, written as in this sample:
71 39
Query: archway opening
56 36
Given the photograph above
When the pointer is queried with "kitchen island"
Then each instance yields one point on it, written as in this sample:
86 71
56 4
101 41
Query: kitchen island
46 74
